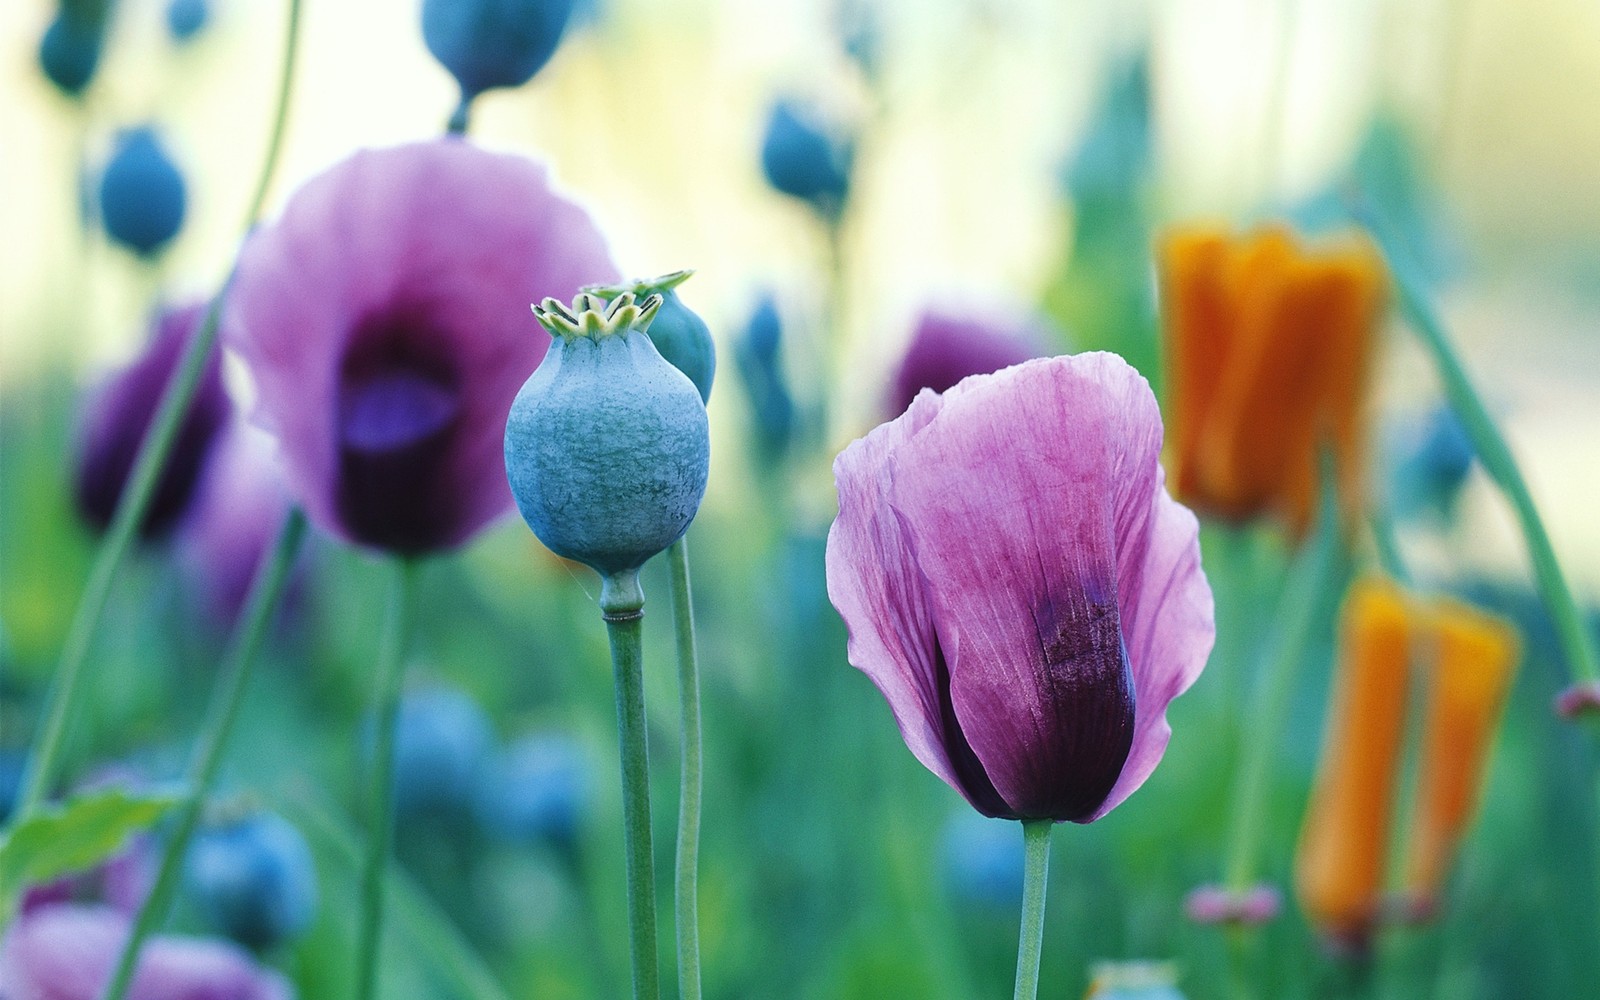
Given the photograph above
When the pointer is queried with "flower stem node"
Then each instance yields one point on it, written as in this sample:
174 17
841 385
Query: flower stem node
607 446
1214 904
1579 701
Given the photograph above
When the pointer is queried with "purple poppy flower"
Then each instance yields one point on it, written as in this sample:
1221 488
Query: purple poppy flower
385 319
68 951
1020 586
118 414
947 348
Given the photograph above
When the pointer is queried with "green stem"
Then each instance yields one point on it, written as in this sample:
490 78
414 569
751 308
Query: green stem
622 603
66 687
1495 455
1030 939
226 697
687 897
380 804
1312 576
1387 545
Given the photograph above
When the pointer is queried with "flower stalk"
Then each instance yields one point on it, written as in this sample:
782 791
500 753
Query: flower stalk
1313 575
622 604
1030 939
66 687
380 804
226 697
1495 454
686 884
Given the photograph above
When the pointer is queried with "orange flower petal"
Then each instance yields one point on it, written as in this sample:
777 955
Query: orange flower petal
1339 867
1476 657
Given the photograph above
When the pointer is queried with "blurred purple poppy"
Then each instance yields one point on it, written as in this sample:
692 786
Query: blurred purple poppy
239 508
947 348
1020 586
384 317
118 414
67 952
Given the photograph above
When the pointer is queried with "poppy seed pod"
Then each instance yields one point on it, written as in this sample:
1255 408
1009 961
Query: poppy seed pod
758 357
142 194
69 52
804 162
493 43
678 332
607 445
187 18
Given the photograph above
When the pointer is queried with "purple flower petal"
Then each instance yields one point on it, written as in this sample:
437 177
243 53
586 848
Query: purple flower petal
1038 600
385 319
67 952
118 415
946 349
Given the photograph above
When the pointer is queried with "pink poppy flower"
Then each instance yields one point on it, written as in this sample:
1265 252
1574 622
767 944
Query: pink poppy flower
385 319
1020 586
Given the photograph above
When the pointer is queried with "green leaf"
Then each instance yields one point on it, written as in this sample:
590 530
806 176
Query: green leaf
74 835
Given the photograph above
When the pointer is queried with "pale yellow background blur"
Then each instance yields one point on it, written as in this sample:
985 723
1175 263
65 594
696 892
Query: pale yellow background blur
653 119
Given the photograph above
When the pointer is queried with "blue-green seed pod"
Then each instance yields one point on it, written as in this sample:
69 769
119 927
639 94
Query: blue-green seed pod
678 332
607 445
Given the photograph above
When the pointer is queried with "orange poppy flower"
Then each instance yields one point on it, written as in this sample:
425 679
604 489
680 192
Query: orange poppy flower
1268 346
1474 658
1467 659
1340 865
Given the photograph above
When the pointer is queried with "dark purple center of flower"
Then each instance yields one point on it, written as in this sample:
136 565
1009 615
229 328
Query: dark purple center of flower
1085 685
399 413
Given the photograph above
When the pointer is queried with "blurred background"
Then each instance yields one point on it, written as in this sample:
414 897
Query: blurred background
1011 158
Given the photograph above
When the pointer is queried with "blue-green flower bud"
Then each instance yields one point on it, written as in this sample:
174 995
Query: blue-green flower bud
678 332
607 445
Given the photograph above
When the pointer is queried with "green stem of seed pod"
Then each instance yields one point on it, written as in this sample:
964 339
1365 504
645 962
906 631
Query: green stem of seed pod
1030 938
686 885
1314 573
622 603
226 697
66 687
380 802
461 118
1495 455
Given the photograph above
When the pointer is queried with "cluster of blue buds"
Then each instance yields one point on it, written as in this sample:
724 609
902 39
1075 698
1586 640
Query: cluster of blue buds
803 160
449 771
535 792
142 193
253 878
442 741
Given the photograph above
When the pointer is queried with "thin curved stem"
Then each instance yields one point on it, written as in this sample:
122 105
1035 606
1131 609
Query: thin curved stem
622 603
226 697
1495 455
66 686
686 885
380 804
1030 938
